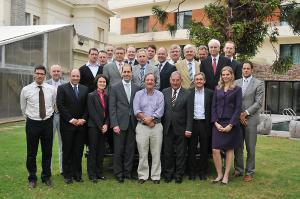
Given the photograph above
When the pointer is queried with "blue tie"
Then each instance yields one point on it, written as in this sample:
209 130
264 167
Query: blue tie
76 90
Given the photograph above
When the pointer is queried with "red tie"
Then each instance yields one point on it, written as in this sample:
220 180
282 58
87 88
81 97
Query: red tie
214 65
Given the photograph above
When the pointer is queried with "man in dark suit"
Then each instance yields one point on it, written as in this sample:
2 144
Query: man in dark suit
123 122
131 53
89 71
229 52
213 64
199 109
71 104
176 124
164 67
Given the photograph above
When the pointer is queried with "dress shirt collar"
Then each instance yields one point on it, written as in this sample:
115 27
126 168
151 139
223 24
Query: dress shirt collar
216 57
37 85
92 65
248 79
118 63
126 83
201 90
177 91
187 62
73 85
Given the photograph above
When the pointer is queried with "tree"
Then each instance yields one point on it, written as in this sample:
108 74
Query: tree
247 23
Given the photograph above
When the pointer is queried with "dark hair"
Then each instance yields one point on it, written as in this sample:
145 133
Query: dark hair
98 77
127 65
152 46
40 67
148 75
248 62
120 48
93 49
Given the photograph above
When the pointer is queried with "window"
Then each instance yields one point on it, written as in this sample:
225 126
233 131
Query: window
142 24
281 95
183 19
283 21
292 50
101 34
27 19
36 20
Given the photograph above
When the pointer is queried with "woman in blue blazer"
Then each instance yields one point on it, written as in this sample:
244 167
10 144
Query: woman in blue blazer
226 134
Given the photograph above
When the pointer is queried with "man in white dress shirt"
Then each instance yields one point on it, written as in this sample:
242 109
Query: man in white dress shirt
37 104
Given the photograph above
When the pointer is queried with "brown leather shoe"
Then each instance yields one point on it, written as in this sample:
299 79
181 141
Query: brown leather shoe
248 178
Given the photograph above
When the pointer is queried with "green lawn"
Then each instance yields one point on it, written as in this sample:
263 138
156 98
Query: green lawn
277 175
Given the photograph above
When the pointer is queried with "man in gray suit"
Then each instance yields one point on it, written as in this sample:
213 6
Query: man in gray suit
253 95
113 70
123 122
176 123
56 73
142 69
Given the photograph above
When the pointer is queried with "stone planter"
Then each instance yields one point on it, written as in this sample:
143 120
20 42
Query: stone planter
294 129
265 125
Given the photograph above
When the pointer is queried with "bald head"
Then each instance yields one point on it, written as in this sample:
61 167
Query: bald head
162 54
75 76
55 72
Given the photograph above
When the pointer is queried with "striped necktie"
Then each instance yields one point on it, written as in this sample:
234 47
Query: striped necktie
191 71
173 100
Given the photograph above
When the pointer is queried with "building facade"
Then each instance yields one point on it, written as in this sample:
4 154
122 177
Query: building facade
89 17
135 24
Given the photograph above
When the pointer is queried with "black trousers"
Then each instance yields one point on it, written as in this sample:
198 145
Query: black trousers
199 134
174 144
72 146
124 148
36 131
96 153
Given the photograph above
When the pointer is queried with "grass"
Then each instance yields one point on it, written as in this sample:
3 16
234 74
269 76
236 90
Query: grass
277 175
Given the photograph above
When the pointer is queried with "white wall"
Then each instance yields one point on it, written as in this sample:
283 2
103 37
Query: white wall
5 7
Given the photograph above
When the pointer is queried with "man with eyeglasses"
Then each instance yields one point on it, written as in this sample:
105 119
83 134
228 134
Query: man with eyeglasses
37 104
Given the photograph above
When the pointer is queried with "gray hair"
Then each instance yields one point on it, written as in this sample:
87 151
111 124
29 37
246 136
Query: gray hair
175 73
214 41
189 46
175 46
142 50
203 47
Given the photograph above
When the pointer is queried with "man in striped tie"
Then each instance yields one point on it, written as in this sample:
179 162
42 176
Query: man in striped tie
176 124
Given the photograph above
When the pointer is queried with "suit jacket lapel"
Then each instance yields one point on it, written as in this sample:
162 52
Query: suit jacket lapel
72 91
124 92
115 67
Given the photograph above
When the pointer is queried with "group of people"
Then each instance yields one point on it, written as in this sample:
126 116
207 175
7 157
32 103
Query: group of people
167 107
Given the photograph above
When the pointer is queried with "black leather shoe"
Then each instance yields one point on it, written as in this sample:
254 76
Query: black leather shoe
32 184
168 180
68 180
48 182
101 178
156 181
120 179
192 177
203 177
178 180
78 179
142 181
94 180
